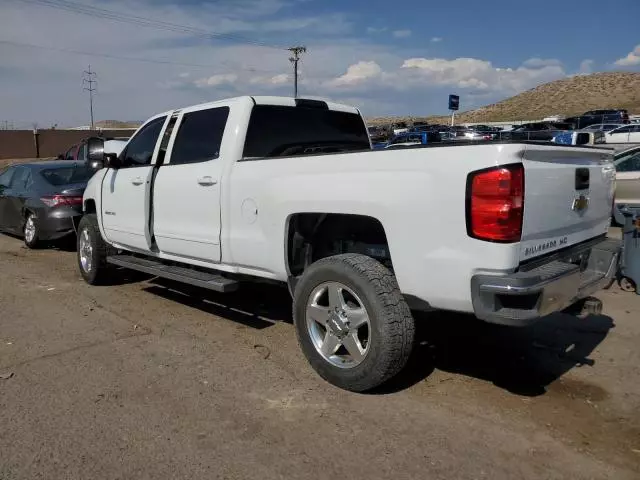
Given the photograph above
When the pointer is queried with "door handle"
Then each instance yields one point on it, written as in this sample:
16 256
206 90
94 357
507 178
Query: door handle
206 181
136 181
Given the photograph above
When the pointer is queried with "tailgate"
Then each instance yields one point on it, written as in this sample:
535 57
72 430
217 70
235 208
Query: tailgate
568 197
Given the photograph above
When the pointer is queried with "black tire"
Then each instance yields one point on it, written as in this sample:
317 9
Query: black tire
99 269
392 328
33 242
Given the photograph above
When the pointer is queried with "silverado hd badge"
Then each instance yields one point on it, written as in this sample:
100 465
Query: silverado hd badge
580 203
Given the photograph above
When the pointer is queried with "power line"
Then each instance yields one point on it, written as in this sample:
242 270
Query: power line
132 59
89 79
296 51
98 12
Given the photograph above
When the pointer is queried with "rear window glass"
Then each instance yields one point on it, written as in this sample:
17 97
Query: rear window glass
67 175
277 131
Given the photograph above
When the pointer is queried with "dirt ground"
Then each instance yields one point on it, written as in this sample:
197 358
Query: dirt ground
144 379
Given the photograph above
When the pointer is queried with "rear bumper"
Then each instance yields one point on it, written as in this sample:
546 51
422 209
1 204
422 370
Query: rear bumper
58 223
521 298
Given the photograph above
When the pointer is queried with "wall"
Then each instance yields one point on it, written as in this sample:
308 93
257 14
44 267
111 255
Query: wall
46 143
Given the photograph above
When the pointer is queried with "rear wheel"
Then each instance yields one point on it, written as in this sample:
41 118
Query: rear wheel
352 322
31 231
92 251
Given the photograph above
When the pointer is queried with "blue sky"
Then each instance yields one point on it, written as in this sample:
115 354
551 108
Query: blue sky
385 57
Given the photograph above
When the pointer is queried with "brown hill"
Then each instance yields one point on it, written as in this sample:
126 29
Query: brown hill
569 96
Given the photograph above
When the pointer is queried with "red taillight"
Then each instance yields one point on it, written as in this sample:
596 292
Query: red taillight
57 200
496 203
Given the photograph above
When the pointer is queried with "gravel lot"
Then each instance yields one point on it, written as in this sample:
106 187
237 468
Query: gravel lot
145 379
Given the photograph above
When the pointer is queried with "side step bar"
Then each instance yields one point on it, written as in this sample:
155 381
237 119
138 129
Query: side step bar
210 281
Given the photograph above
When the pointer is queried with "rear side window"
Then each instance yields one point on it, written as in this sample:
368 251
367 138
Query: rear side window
66 175
6 176
20 178
278 131
199 136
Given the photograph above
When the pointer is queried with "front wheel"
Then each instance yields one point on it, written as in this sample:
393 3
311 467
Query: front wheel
92 251
352 322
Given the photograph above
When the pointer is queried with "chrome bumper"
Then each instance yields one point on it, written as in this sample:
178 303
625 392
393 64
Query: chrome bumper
523 297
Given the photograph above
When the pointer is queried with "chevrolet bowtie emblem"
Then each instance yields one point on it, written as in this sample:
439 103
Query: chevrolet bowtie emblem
580 203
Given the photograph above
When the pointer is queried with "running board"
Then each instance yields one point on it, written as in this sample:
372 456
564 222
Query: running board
210 281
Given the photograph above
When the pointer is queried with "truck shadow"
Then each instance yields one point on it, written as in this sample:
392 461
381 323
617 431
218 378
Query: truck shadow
523 361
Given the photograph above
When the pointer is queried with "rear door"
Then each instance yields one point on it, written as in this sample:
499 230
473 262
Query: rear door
628 180
568 197
186 191
125 191
6 176
16 198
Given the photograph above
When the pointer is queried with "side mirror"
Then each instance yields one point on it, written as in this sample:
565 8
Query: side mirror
95 153
60 156
111 160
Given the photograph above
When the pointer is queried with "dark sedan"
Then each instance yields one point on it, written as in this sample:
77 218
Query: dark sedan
539 132
40 201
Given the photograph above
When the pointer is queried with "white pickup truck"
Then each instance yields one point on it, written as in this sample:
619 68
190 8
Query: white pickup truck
289 190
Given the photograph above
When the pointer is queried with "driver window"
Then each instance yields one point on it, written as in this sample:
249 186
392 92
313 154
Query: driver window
140 149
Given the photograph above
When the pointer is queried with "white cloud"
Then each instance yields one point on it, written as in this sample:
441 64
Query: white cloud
631 60
479 74
586 67
376 30
357 74
402 33
184 75
216 80
436 39
280 79
541 62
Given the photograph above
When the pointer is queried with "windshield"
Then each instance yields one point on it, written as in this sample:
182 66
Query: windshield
279 131
67 175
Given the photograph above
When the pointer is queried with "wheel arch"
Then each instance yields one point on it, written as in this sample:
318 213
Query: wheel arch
311 236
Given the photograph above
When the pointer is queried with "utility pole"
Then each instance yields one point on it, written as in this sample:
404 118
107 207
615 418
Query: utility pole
89 78
296 51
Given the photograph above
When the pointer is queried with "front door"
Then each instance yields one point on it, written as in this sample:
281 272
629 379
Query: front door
125 191
186 192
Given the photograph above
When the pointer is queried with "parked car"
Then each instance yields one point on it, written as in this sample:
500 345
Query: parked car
602 127
288 190
627 164
377 134
78 151
599 116
554 118
626 134
537 131
399 127
413 138
40 201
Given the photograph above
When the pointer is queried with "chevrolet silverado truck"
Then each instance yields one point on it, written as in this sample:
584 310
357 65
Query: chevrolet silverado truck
290 191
